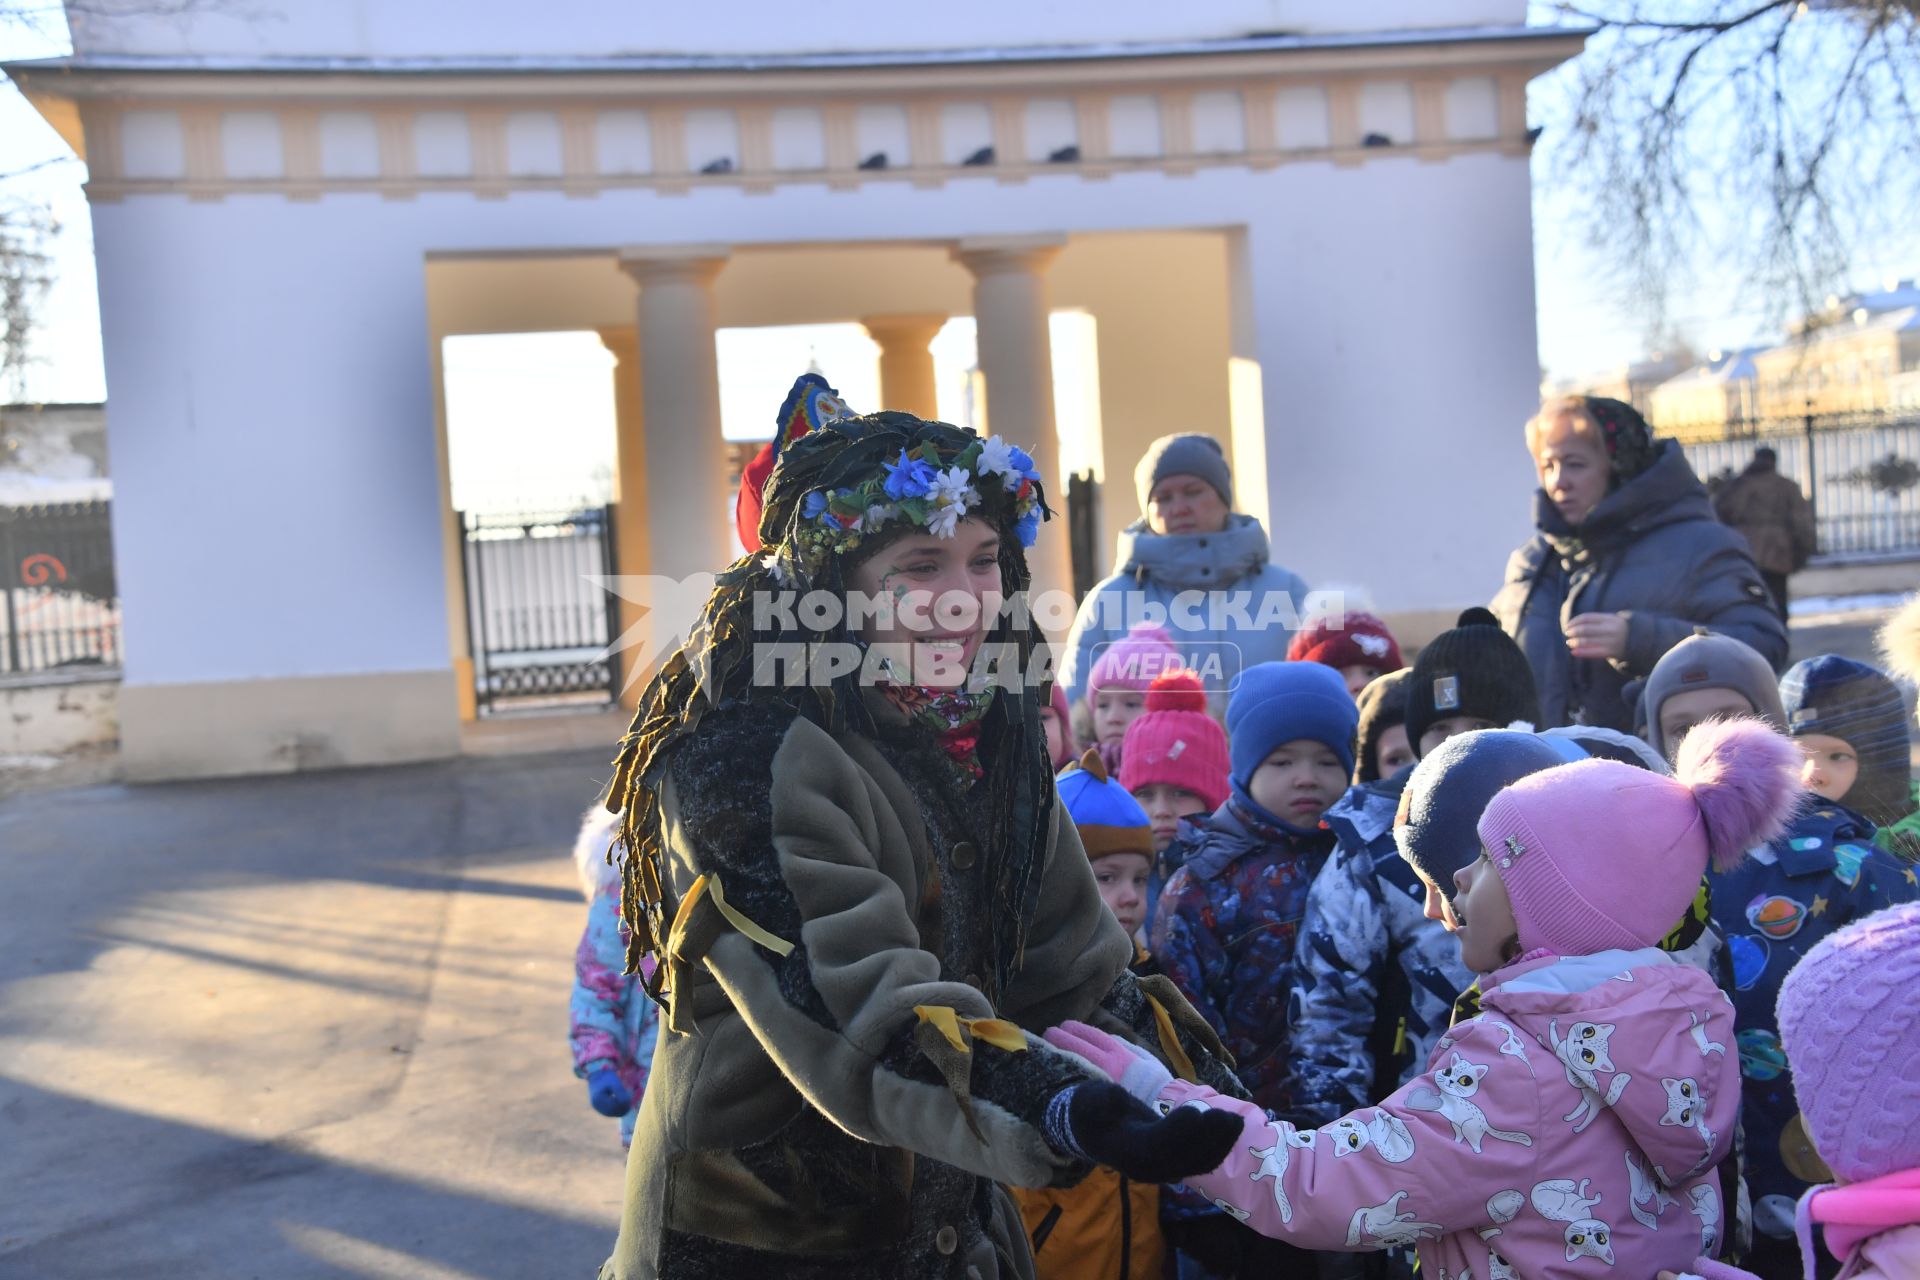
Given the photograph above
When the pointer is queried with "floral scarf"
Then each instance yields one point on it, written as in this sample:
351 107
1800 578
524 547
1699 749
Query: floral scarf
953 716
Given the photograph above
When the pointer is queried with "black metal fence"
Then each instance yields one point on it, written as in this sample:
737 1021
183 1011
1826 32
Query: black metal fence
539 625
1861 472
59 605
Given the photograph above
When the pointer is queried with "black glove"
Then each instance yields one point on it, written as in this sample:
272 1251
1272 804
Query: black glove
1104 1123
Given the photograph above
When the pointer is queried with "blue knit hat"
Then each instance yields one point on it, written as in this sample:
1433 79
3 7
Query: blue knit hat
1278 702
1840 698
1110 821
1437 825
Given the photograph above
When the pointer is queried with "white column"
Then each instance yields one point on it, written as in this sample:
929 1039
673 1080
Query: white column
907 381
685 502
1016 363
632 544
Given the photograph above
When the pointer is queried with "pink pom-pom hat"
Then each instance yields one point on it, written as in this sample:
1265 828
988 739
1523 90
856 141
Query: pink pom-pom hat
1600 855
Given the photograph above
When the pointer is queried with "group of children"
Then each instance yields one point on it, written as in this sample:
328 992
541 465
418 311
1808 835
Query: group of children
1502 997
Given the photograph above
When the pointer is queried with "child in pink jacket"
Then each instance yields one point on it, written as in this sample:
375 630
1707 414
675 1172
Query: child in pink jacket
1572 1127
1850 1024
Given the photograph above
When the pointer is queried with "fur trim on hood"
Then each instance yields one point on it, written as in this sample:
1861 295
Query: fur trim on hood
1900 641
597 873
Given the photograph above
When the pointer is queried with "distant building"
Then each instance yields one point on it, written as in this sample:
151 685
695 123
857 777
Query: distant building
53 453
1845 366
1708 401
1632 383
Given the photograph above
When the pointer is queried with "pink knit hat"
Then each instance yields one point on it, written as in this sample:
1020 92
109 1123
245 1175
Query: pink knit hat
1174 741
1132 661
1850 1025
1599 854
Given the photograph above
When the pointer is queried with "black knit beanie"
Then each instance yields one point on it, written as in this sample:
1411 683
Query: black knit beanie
1383 704
1473 670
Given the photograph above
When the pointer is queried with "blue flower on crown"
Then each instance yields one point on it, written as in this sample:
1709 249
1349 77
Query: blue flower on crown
1027 527
814 504
1023 462
909 478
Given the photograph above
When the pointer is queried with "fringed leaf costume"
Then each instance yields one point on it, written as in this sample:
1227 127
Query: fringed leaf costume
865 906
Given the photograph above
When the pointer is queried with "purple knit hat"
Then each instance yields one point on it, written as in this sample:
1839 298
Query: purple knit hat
1850 1025
1132 661
1599 854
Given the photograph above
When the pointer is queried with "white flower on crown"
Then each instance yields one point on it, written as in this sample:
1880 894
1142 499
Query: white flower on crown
771 563
879 514
996 459
952 494
943 522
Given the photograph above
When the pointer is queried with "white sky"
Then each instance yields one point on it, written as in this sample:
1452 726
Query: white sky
1582 327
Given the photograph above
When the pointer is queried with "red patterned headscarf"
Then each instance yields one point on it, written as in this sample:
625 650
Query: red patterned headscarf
1628 438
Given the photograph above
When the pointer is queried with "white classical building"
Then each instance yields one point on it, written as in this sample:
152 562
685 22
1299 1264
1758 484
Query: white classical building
1300 225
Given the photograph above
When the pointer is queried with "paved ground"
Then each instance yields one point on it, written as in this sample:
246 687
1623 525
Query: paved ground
299 1027
314 1026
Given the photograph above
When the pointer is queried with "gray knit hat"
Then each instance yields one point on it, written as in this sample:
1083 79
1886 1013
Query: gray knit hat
1708 661
1186 454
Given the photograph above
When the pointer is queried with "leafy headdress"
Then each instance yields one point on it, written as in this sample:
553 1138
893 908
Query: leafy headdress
840 493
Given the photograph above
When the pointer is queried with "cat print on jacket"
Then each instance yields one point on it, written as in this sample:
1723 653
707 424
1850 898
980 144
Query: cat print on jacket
1273 1164
1383 1226
1686 1106
1587 1236
1458 1083
1700 1037
1584 1055
1647 1189
1493 1184
1706 1207
1386 1134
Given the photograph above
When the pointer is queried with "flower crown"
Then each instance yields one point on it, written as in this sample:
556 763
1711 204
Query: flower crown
927 491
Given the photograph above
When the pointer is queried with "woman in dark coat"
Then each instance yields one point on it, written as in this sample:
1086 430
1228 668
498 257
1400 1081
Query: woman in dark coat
866 904
1627 561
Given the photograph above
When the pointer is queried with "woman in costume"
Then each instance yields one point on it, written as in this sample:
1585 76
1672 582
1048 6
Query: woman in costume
864 901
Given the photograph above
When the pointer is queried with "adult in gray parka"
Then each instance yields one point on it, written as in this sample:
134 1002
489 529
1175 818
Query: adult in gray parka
1193 566
1627 561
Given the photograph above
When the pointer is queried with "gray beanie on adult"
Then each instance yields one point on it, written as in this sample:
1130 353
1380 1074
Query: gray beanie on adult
1186 454
1708 661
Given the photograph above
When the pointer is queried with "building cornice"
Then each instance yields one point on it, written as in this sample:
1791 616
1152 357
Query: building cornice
87 98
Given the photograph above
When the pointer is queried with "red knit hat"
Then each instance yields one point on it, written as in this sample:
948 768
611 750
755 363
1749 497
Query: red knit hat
1346 640
1174 741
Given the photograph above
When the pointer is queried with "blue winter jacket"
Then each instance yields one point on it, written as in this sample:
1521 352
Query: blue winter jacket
1787 896
1219 595
1374 980
1227 928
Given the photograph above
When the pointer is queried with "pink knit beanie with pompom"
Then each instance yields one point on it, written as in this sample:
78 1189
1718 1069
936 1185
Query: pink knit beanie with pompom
1600 855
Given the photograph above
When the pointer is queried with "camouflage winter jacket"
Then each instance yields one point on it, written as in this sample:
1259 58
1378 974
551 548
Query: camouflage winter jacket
1374 980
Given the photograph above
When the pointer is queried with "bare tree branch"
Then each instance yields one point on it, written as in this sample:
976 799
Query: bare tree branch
1766 135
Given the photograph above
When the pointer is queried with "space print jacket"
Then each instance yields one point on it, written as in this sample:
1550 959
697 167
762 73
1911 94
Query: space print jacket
1570 1129
1823 874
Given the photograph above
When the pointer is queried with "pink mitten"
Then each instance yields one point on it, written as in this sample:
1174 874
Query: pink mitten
1131 1067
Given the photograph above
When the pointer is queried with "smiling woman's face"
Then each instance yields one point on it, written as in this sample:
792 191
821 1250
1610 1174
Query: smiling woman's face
938 598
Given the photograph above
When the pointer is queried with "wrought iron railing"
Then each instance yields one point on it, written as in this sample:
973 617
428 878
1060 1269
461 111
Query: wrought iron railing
59 604
1860 470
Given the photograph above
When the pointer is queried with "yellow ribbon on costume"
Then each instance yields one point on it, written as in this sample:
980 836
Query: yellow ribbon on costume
945 1021
994 1031
1170 1042
998 1033
710 885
